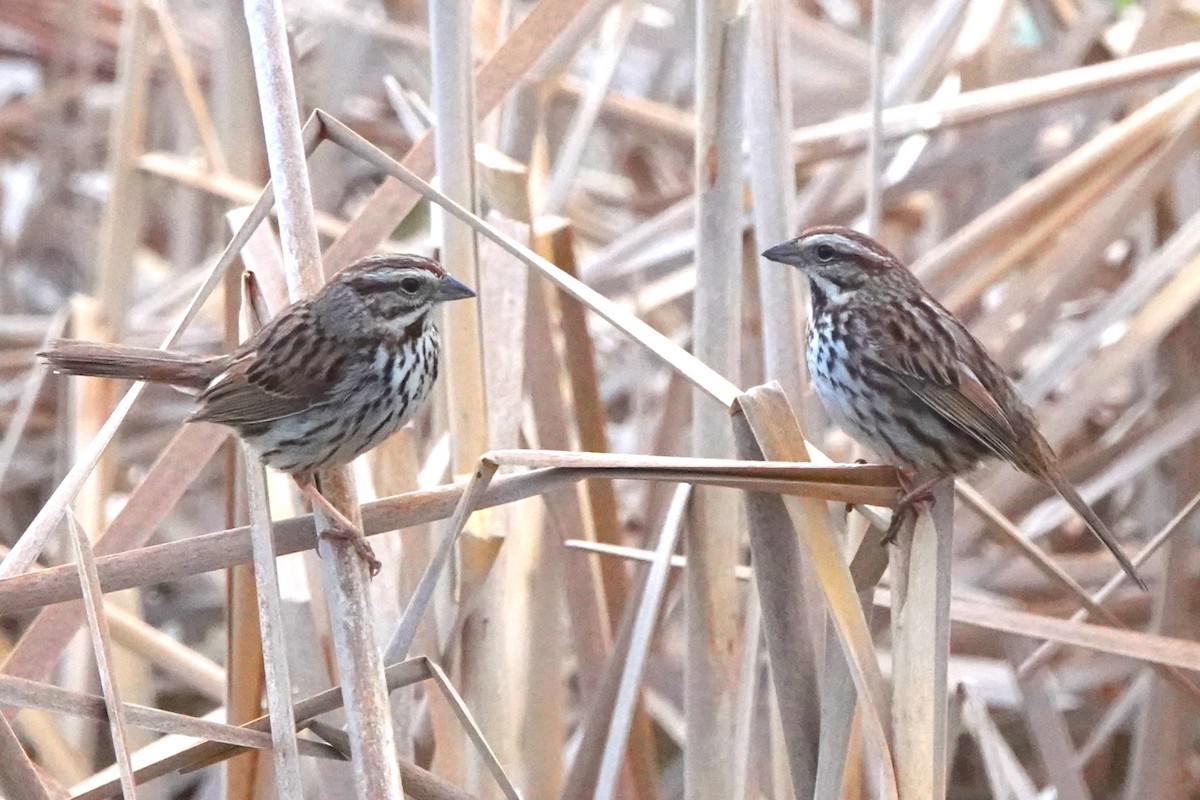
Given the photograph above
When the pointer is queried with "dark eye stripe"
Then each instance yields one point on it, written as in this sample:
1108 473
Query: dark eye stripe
367 286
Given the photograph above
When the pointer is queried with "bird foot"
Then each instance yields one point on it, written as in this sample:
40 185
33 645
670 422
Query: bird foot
358 539
907 507
340 526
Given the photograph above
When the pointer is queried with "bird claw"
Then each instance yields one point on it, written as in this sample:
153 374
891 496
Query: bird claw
359 540
906 507
339 526
899 517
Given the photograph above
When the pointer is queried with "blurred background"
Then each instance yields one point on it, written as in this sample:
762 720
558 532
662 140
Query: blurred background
1035 161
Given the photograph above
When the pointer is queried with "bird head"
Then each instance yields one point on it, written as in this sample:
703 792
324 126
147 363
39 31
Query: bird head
401 289
839 261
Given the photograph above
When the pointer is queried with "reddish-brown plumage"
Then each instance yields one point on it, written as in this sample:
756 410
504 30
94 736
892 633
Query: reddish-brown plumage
900 373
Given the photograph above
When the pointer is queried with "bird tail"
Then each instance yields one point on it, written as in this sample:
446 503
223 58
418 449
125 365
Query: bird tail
1069 493
133 363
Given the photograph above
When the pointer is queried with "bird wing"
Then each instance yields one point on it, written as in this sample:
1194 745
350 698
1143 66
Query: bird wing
948 386
926 363
281 371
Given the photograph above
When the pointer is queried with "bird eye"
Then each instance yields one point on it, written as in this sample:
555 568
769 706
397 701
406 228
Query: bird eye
410 285
825 252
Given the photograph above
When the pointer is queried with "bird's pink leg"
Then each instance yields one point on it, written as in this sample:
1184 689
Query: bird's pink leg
342 527
922 493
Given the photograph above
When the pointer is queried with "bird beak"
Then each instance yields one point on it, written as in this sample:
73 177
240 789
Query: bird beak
452 288
786 253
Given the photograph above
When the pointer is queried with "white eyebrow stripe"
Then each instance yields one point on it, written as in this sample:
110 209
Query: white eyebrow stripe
842 243
846 245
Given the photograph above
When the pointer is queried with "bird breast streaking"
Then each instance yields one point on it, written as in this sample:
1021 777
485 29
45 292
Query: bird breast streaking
901 374
328 379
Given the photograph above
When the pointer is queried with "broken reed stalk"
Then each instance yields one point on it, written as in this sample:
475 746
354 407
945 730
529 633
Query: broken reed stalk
121 228
1163 722
1047 650
764 423
91 399
38 651
235 190
359 664
21 693
746 703
579 357
467 389
1082 245
789 624
696 371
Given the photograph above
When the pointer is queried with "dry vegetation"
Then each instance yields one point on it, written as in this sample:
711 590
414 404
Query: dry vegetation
600 589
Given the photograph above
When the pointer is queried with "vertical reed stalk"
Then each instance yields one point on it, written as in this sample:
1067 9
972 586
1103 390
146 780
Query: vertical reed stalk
359 663
711 666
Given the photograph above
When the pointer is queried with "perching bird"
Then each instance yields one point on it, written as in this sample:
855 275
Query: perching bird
328 379
898 372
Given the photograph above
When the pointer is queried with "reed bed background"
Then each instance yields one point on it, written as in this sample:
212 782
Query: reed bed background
625 556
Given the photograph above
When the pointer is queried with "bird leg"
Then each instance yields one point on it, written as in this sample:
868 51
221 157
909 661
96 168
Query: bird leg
341 526
907 505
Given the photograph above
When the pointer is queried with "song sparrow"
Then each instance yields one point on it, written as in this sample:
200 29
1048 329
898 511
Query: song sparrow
329 378
897 371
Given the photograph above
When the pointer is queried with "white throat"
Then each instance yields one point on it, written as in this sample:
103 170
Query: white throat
833 293
401 323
